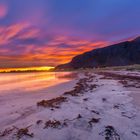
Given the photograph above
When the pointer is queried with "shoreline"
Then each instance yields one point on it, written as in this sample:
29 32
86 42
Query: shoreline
98 103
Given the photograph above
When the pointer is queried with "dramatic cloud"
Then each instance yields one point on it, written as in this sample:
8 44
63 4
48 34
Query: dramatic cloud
24 45
48 32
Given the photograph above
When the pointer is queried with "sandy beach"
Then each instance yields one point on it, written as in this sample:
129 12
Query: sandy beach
101 105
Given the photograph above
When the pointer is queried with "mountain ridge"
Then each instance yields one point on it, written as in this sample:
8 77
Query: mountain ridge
120 54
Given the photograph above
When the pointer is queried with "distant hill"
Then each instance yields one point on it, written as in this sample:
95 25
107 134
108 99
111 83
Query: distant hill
121 54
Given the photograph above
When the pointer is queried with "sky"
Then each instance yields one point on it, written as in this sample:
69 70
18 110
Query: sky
51 32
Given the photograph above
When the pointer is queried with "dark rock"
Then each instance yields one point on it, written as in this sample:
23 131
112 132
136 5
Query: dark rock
121 54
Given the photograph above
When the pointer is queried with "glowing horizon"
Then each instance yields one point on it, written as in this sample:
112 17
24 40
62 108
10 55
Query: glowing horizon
42 68
49 33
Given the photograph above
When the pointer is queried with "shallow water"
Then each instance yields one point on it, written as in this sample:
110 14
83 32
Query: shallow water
32 81
20 92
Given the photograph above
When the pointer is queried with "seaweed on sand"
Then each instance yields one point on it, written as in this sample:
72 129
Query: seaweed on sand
111 134
52 103
23 132
54 124
6 132
93 121
39 122
82 86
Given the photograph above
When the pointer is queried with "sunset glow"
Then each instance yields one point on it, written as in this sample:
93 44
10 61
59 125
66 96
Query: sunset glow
69 69
26 69
47 33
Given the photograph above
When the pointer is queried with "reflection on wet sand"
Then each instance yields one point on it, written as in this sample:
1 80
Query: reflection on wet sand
33 81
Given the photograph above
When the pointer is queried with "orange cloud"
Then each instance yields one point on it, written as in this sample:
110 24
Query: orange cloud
56 54
23 45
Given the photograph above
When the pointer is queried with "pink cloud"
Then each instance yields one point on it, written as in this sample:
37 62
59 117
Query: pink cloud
3 10
8 32
24 44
